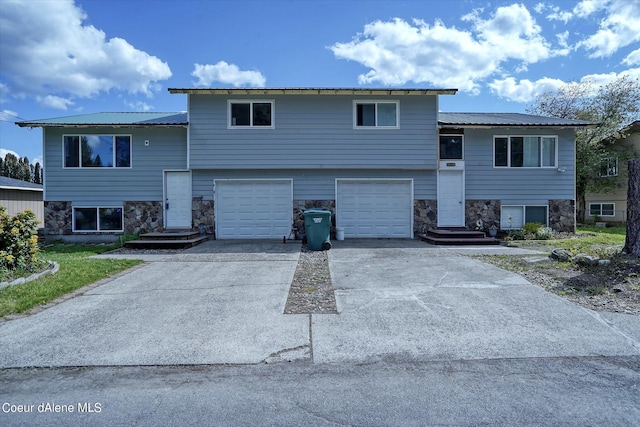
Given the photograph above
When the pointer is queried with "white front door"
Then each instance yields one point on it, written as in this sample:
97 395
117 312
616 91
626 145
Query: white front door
177 204
451 198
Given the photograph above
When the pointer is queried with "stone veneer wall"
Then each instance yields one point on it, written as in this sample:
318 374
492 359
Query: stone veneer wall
202 212
562 215
143 217
425 215
299 206
58 217
486 210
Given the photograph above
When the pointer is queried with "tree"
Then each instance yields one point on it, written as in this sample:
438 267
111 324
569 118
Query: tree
632 240
612 106
20 168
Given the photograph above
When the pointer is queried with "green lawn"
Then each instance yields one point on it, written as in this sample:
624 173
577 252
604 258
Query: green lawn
588 239
76 271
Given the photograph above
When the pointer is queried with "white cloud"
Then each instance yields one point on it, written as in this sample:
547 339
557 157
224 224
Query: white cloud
139 106
524 90
633 58
619 27
226 74
397 52
4 152
47 50
53 101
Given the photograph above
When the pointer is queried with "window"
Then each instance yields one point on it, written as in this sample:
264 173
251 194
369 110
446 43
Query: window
451 147
602 209
97 219
375 114
248 114
609 167
97 151
514 217
525 151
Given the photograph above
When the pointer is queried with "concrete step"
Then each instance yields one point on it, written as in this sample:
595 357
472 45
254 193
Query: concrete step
165 243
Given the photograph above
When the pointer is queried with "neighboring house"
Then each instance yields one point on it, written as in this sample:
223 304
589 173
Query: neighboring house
611 206
18 196
245 163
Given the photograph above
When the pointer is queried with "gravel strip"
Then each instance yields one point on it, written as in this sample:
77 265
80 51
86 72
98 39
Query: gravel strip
311 290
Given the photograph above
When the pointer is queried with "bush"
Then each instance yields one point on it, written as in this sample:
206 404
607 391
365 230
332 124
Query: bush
544 233
532 228
18 240
517 234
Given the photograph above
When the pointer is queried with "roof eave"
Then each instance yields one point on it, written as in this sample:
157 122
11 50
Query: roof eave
100 125
310 91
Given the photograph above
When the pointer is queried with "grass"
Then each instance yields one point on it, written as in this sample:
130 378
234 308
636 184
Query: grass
77 269
589 240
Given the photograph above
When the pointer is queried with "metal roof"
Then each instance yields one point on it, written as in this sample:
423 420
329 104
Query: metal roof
178 119
7 183
506 120
312 91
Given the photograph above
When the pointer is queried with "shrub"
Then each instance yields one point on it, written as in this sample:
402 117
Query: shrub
532 228
544 233
518 234
18 240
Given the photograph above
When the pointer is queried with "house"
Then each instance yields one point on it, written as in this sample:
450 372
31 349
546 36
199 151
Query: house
245 163
611 206
17 196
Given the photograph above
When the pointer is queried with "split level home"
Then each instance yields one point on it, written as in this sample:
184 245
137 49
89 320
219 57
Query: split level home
611 206
246 163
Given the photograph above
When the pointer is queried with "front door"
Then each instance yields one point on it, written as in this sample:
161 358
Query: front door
451 198
177 204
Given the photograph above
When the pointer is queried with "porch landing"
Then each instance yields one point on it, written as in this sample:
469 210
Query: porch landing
168 239
457 236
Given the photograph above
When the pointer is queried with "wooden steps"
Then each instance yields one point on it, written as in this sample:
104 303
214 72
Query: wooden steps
168 239
457 236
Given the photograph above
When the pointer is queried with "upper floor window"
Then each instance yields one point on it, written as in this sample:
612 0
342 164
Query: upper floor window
609 167
375 114
97 151
251 114
451 147
525 151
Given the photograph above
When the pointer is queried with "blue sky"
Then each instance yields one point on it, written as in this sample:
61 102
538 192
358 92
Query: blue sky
68 57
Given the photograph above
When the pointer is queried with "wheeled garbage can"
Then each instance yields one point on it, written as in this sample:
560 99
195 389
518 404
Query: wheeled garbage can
317 226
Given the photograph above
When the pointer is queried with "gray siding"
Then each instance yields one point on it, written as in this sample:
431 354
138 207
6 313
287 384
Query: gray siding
517 185
312 132
16 201
314 185
105 186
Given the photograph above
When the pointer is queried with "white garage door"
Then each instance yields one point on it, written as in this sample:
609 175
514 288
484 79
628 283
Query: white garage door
253 209
375 208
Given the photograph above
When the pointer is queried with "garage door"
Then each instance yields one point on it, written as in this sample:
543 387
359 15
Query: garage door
253 209
375 208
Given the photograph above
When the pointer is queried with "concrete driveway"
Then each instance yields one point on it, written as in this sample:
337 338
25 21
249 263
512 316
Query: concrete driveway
406 299
222 302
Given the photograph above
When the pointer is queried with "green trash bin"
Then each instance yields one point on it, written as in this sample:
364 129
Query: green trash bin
317 226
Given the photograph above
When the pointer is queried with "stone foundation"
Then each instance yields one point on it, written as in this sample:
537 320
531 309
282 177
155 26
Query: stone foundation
425 215
487 211
58 217
562 215
202 213
299 206
142 217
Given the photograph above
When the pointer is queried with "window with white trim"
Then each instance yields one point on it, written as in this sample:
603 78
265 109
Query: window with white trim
251 114
98 219
97 151
609 167
525 151
516 216
375 114
602 209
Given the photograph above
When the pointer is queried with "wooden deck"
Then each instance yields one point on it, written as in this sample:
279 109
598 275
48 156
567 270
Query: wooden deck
457 237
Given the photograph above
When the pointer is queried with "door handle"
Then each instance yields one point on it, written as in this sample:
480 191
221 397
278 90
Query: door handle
166 205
